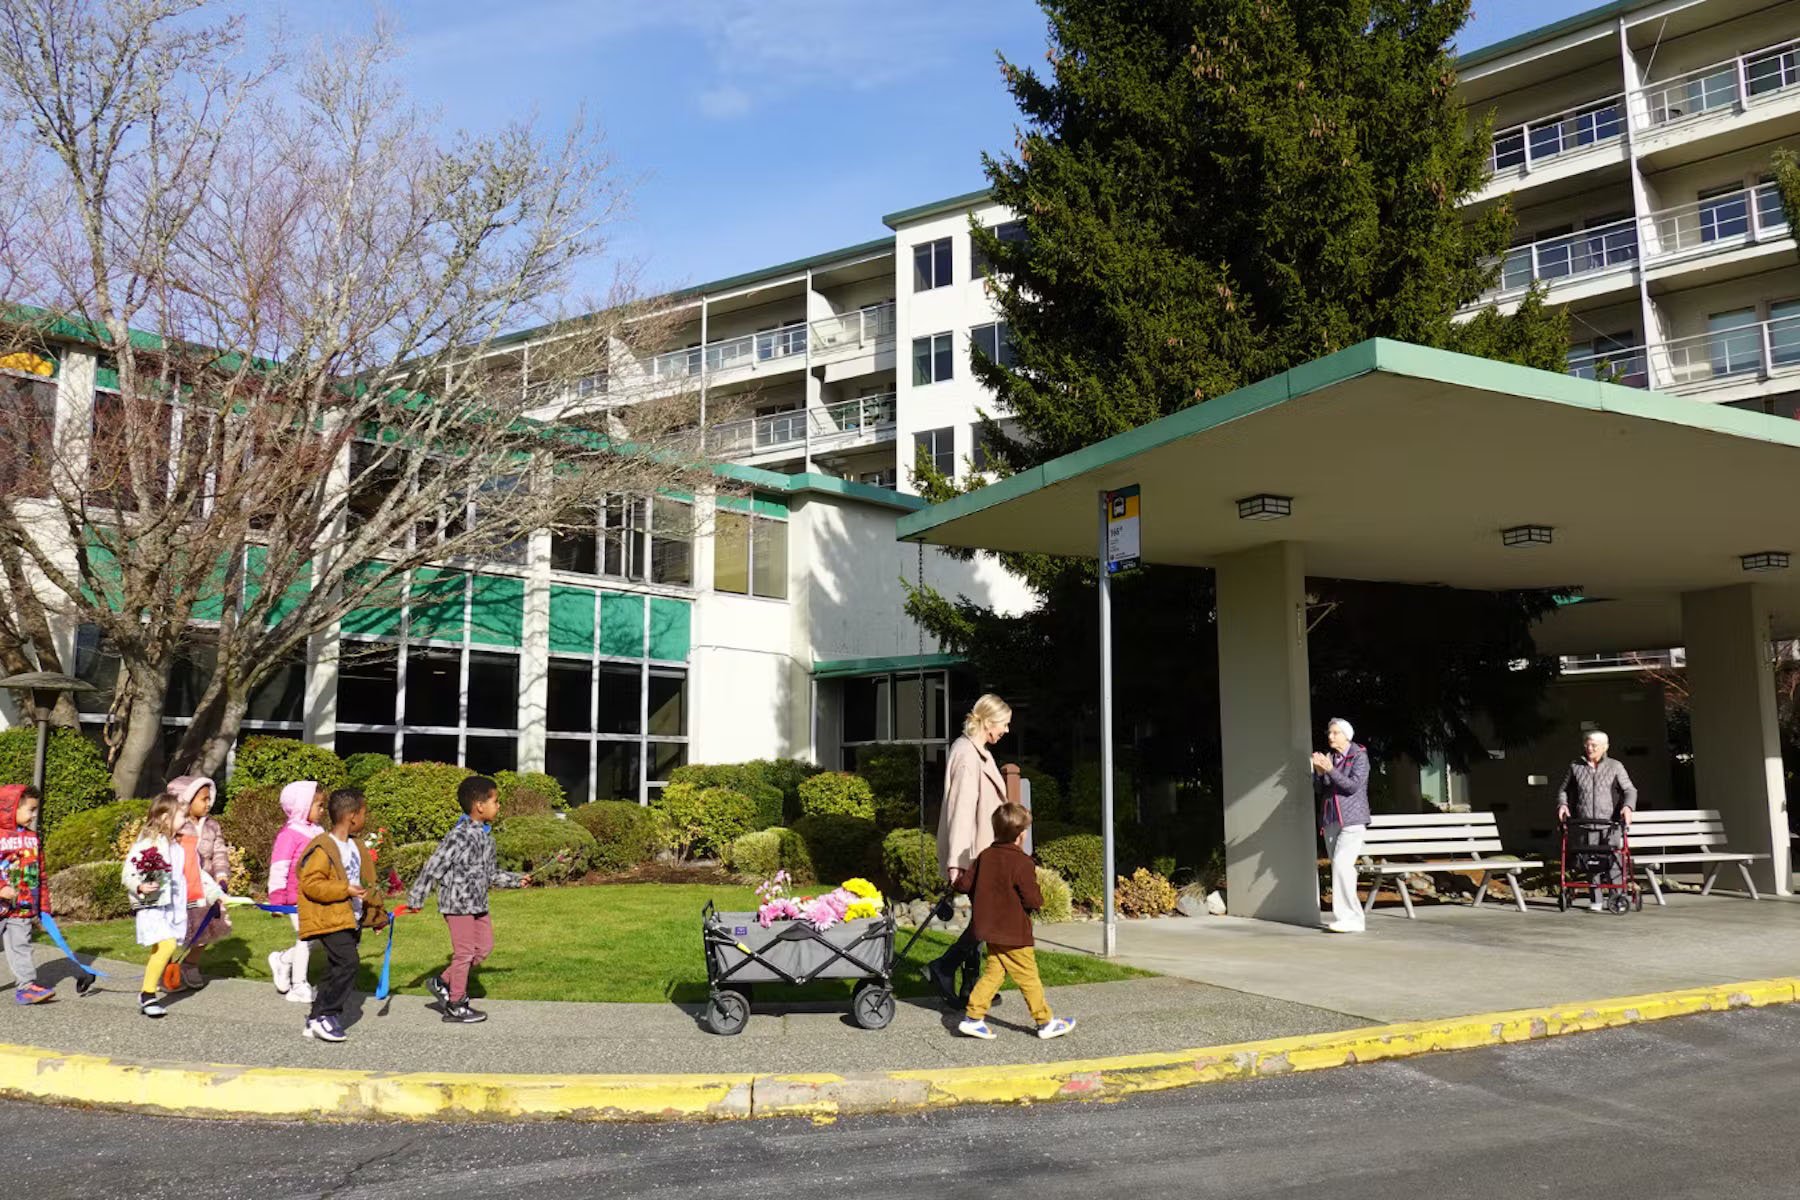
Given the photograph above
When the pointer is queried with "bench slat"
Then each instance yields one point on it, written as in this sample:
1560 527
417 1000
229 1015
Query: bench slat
1385 820
1678 840
1440 834
1714 856
1489 845
1496 865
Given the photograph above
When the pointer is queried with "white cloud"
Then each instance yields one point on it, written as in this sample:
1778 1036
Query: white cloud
724 102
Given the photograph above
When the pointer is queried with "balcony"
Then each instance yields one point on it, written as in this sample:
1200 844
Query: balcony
1525 147
1742 352
1568 256
852 333
1733 85
845 425
783 347
1715 224
1625 365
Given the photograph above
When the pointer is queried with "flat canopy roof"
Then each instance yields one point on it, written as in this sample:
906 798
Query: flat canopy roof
1405 463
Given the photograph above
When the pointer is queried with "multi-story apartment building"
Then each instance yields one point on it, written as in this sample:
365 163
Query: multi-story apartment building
1634 142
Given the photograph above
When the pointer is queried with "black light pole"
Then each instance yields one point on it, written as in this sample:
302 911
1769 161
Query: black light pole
45 687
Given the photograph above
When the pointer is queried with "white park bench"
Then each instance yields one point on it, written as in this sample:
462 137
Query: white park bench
1678 837
1397 845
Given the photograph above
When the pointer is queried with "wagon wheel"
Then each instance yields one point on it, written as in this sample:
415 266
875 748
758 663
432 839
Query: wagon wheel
727 1012
872 1005
1621 903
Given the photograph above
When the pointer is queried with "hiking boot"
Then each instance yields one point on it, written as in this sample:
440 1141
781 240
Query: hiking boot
459 1013
33 993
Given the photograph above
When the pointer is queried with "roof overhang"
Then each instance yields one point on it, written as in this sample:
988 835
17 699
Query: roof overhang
1406 463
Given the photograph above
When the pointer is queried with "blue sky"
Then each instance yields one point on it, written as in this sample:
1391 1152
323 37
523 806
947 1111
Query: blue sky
758 131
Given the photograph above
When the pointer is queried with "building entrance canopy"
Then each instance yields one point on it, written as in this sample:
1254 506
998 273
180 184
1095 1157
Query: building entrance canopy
1405 464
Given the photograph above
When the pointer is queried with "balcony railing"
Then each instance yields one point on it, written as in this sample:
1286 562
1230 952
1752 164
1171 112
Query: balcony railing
1626 365
1535 142
1628 660
1716 223
1749 350
851 332
866 415
749 351
1582 253
1734 83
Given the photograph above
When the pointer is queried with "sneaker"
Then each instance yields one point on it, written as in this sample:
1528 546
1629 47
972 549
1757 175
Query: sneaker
191 978
325 1029
150 1008
1596 905
459 1013
1055 1027
1340 927
976 1029
33 993
439 988
281 970
84 983
300 993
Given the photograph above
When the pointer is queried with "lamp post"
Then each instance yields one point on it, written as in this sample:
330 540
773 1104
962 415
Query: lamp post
45 687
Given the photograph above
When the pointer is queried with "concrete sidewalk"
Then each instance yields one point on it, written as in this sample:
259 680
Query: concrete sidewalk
1225 981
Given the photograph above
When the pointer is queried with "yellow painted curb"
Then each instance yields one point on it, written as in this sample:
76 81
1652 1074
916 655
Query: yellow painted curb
217 1090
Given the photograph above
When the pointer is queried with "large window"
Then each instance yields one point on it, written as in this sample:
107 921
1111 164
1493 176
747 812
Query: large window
750 552
628 538
1734 343
933 359
940 446
27 420
1724 213
1784 332
905 708
638 735
993 342
931 265
1006 231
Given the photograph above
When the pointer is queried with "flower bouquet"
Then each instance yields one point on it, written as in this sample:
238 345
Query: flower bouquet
152 867
857 899
373 842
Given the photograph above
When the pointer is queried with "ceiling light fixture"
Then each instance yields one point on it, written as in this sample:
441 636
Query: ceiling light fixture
1525 535
1765 560
1263 507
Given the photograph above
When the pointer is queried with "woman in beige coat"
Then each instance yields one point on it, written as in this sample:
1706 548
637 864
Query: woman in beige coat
973 790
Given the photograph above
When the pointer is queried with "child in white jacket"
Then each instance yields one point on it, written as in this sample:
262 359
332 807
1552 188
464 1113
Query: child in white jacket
159 896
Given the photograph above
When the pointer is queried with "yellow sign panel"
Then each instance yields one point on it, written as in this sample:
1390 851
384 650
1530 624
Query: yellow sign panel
29 363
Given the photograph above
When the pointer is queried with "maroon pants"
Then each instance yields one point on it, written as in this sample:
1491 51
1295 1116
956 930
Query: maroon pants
471 941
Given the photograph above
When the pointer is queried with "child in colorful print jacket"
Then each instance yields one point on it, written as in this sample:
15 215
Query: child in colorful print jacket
24 893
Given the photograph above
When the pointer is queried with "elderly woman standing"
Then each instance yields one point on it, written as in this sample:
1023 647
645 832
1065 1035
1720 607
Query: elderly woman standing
973 790
1341 781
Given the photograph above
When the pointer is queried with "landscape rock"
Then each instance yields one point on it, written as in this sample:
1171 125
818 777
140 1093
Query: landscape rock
1188 906
1215 904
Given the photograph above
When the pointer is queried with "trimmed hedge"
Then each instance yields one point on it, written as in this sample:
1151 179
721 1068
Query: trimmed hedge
549 849
406 861
277 761
360 768
415 802
840 847
1079 858
75 774
513 784
837 794
1046 794
910 859
786 774
625 834
748 779
522 802
250 821
1059 902
706 820
89 836
90 891
760 854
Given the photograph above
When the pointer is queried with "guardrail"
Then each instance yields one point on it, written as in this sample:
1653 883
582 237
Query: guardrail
1754 348
1534 142
1716 222
1581 253
1735 83
1626 365
746 351
854 331
847 418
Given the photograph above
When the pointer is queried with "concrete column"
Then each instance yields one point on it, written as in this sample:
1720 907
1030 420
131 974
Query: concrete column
1265 726
534 655
1737 748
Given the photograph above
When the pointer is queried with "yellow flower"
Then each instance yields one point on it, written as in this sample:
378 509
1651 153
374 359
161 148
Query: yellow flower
862 910
862 887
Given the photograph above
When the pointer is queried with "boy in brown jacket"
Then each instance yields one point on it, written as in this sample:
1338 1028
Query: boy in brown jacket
333 910
1004 897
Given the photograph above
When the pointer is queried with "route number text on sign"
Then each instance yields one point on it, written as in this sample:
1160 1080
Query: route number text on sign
1122 553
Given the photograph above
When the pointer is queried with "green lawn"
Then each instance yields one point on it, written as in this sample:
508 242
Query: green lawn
609 942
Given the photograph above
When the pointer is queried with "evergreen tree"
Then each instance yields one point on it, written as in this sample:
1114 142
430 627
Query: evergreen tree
1212 192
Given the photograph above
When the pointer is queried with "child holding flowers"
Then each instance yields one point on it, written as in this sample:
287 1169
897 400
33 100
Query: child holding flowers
155 881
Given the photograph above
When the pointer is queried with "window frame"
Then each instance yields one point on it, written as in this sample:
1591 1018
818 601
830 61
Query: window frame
934 264
938 360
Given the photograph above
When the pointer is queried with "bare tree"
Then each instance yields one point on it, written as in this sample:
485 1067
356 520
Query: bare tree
298 303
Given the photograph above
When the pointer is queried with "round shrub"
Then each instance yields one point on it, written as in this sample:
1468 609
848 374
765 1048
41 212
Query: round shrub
910 859
1046 794
893 771
522 802
749 779
1079 858
251 820
90 891
1059 902
840 847
277 761
515 784
406 861
837 794
761 854
549 849
89 837
626 834
786 774
360 768
706 820
1144 894
75 774
415 802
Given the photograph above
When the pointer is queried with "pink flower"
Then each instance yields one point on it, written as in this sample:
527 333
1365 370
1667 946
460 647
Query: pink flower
779 909
821 913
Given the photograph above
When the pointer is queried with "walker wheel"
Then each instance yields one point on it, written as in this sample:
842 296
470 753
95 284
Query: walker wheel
727 1012
872 1005
1637 899
1621 903
1562 899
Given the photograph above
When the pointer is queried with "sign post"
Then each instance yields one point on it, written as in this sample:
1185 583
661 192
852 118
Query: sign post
1119 551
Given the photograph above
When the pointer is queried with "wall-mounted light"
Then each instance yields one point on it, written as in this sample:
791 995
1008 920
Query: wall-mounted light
1765 560
1525 535
1264 507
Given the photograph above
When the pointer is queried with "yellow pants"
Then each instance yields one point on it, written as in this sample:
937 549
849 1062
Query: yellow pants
160 955
1021 964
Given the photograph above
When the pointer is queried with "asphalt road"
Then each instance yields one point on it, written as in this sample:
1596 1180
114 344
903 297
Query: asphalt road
1696 1106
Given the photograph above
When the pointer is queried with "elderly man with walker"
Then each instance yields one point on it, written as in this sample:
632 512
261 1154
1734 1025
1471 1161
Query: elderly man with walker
1597 788
1341 782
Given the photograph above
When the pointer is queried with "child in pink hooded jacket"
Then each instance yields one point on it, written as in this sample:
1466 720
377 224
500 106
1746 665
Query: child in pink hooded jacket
304 804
